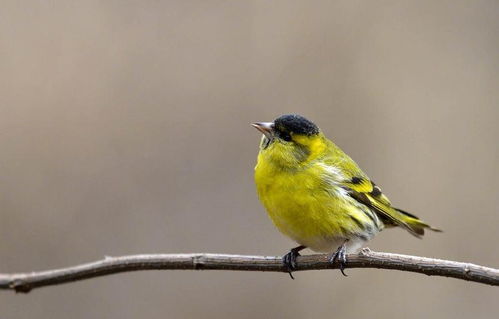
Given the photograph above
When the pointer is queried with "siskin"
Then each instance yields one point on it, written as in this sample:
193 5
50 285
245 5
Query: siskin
317 195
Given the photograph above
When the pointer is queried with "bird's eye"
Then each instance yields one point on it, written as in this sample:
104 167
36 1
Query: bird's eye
285 136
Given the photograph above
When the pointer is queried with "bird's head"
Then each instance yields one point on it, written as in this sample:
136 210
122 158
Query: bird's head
290 140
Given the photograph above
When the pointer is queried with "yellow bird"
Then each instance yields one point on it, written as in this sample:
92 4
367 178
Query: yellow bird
317 195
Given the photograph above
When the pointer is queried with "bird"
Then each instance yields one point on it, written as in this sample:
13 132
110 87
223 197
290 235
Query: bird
318 196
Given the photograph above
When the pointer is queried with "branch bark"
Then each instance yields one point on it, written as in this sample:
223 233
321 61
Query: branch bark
25 282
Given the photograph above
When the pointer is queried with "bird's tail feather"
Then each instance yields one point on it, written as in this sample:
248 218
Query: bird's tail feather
416 224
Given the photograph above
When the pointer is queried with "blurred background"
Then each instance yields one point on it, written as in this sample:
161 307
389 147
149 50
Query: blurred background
124 129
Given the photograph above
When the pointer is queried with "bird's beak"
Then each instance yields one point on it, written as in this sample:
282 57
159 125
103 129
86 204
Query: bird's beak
265 128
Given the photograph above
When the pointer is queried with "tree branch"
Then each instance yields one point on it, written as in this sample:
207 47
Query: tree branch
24 282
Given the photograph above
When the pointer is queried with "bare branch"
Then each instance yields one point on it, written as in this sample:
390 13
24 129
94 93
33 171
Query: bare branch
24 282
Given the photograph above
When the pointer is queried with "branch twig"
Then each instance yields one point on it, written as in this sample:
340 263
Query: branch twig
24 282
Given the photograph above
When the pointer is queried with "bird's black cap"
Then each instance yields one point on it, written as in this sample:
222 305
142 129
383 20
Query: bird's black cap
296 124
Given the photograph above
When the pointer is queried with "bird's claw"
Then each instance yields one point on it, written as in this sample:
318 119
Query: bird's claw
340 255
289 260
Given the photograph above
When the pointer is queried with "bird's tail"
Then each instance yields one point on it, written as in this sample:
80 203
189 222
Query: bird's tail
416 225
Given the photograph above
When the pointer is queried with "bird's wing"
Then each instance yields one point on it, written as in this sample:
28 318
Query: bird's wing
361 188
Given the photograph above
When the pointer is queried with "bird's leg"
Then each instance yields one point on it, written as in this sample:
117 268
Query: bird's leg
289 260
340 255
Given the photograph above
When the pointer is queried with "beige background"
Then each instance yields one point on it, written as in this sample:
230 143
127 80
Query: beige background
124 129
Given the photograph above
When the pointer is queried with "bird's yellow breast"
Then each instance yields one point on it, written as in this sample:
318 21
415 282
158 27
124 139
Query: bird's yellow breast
301 205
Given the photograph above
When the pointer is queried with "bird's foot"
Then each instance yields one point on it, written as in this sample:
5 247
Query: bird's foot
289 260
340 255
